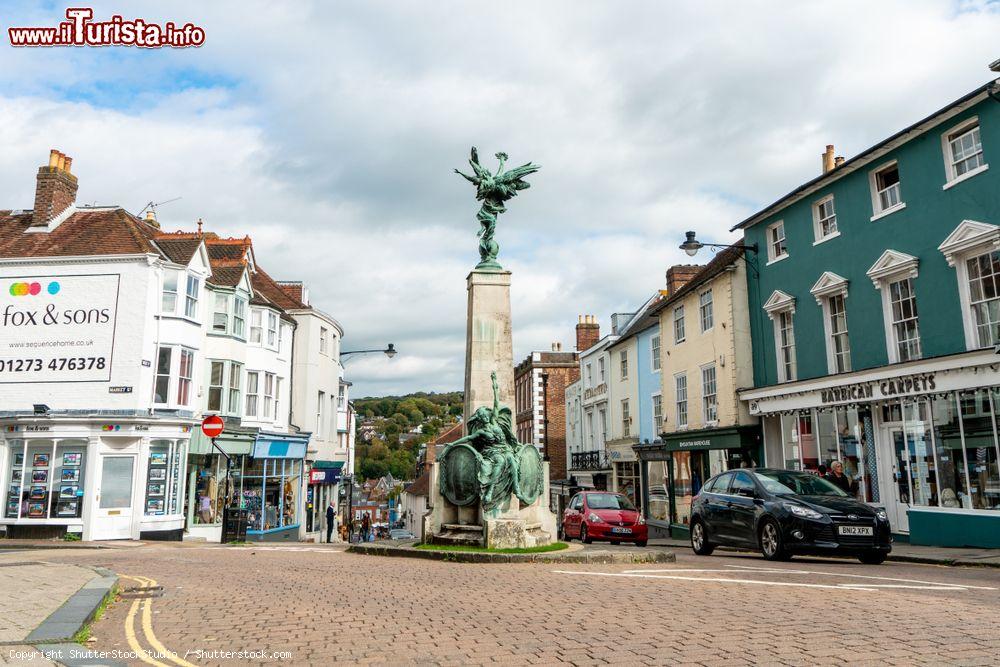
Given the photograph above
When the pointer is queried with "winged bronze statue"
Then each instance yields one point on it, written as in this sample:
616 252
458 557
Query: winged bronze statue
493 190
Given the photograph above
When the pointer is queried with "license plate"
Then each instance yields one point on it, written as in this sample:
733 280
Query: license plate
616 529
855 530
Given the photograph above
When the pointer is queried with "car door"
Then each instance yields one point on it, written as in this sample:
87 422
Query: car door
717 506
571 519
742 507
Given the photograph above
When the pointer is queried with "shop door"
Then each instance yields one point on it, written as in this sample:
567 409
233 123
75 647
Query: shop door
907 478
114 515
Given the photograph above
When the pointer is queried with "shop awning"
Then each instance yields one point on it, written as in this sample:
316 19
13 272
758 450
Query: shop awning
280 445
232 442
712 438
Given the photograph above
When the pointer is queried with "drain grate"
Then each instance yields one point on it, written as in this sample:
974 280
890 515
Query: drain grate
141 592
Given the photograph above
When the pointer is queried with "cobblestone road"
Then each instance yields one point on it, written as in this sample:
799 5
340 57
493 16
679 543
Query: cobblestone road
313 605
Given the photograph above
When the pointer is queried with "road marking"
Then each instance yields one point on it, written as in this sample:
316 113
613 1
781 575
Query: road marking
133 641
147 629
916 584
859 587
867 576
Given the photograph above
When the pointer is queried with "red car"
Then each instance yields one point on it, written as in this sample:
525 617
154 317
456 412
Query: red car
602 515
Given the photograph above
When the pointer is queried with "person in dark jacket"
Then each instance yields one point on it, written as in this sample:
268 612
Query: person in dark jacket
837 477
331 515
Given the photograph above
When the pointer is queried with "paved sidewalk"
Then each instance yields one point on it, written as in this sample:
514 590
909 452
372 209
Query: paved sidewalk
44 602
32 591
907 553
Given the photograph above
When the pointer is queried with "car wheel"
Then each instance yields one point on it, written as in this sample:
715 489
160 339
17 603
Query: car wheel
771 543
699 540
873 557
641 543
563 537
584 537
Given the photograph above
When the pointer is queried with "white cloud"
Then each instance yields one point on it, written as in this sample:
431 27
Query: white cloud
328 131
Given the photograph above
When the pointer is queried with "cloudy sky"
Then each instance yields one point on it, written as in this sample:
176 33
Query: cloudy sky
328 132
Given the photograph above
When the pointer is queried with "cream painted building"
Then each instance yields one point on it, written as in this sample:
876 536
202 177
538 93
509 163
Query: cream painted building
705 357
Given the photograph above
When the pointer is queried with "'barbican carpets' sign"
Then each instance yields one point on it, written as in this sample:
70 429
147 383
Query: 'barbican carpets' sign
57 328
869 391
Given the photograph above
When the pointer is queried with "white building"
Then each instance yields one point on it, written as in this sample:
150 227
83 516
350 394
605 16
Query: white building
115 339
96 419
320 404
589 466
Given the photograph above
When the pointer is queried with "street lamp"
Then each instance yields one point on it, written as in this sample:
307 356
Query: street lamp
692 245
389 351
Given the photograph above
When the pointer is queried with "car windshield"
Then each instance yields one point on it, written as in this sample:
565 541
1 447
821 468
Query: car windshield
785 482
608 501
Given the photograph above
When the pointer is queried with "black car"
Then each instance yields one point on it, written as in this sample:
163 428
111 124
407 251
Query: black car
785 512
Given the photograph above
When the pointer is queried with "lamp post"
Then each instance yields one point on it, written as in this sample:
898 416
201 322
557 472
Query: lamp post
692 245
389 351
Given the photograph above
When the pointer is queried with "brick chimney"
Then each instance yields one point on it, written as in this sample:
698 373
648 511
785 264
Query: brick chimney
55 190
680 274
588 332
829 161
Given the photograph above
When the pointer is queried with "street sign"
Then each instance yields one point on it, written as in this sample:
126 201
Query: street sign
212 426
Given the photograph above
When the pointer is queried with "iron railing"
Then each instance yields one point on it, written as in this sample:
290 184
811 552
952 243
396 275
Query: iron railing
593 460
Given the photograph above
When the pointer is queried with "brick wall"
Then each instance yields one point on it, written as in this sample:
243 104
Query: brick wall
555 410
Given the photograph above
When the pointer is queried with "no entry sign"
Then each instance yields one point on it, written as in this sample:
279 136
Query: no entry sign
212 426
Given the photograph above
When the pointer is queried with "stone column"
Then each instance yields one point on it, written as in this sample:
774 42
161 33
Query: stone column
488 345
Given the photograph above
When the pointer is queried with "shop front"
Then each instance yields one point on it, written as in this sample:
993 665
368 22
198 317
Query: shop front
324 484
674 468
625 470
919 439
272 488
100 480
210 490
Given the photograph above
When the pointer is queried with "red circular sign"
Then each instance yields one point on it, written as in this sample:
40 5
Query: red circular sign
212 426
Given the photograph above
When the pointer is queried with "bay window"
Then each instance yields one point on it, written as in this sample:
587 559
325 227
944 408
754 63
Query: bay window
184 377
253 378
191 297
239 316
168 302
256 325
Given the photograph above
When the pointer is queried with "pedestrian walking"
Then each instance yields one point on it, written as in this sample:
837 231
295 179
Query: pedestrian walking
331 516
837 477
366 527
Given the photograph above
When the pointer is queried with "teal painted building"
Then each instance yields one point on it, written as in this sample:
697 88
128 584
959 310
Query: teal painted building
874 319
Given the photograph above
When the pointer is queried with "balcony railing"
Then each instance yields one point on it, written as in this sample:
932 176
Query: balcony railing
593 460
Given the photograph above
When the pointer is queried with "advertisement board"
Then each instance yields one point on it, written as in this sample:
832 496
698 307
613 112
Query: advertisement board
57 328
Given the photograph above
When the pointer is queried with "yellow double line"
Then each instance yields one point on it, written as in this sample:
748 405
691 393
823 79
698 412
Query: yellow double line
147 630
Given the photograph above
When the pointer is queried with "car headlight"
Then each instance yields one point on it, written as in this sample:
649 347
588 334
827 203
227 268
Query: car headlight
804 512
641 520
593 517
882 515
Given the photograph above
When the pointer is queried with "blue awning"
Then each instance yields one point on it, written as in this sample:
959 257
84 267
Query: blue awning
280 446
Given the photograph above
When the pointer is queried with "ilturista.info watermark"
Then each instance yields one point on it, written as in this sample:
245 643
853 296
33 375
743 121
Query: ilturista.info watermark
81 30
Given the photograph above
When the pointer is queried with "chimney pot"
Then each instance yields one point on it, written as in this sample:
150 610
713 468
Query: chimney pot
68 164
828 159
837 161
55 189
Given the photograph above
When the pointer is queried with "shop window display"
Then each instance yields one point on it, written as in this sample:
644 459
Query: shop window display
163 482
691 470
628 481
45 479
270 493
208 481
656 479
